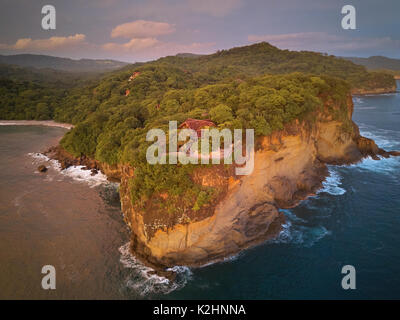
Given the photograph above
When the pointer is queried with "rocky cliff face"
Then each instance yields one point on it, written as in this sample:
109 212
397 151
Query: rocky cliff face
289 166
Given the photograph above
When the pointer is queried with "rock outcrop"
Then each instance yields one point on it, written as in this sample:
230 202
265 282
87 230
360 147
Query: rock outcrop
289 166
42 168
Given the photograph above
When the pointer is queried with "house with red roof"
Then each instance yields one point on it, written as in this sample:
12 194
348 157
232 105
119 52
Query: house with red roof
196 125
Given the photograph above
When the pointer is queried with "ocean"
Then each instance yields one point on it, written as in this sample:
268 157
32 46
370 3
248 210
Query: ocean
73 221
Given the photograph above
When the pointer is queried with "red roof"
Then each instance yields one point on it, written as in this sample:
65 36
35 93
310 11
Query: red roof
196 124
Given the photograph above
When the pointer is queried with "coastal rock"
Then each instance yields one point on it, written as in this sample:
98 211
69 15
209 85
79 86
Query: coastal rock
42 168
289 165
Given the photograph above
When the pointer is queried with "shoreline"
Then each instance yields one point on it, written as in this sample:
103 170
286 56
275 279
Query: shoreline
366 147
46 123
373 92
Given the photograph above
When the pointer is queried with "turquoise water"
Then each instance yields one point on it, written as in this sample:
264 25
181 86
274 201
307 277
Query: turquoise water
354 220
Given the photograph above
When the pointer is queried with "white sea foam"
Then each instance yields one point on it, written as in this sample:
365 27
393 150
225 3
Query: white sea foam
332 184
74 172
39 158
224 260
381 136
386 139
383 166
365 108
297 231
144 281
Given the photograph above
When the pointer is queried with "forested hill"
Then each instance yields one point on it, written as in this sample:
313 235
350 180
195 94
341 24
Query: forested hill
262 58
67 96
258 87
64 64
47 77
377 63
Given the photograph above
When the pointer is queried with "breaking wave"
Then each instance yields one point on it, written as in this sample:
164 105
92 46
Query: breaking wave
75 172
40 157
358 100
144 281
299 232
332 184
366 108
381 137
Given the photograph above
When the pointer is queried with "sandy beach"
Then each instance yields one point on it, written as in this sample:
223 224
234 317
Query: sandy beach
47 123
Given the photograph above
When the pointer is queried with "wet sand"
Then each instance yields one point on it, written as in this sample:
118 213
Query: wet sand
47 123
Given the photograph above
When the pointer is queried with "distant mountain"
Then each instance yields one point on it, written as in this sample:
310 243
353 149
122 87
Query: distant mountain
64 64
48 77
377 63
188 55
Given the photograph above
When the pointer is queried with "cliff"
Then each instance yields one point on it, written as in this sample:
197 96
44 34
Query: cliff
289 166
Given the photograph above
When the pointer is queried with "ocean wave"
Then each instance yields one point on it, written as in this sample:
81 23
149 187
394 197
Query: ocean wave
384 138
144 281
332 184
75 172
39 158
358 100
78 174
383 166
230 258
365 108
297 231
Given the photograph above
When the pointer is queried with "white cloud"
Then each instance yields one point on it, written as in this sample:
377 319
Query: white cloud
144 43
322 41
52 43
135 44
142 29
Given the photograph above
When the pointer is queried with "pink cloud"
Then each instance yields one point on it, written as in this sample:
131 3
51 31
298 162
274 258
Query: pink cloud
135 44
142 29
51 43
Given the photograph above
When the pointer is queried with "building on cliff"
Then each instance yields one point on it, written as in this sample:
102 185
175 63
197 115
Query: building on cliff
196 125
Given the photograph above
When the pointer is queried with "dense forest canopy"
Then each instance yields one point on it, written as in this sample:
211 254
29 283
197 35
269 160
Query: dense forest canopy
257 86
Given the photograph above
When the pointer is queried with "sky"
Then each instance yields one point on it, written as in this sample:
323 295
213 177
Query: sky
142 30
